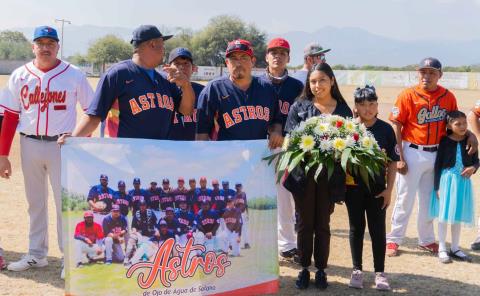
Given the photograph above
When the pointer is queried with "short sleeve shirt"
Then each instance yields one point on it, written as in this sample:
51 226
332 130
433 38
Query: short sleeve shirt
146 106
241 115
422 114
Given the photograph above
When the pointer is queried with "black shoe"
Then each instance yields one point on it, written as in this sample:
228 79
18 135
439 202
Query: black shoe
297 260
303 279
247 246
475 246
289 254
321 280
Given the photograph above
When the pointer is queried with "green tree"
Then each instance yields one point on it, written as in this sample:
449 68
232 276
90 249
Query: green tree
210 43
78 59
108 49
14 46
182 38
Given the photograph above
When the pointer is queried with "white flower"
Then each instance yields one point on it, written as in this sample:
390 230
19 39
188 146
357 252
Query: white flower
350 142
301 127
335 118
363 129
325 145
350 126
321 129
286 142
312 121
367 142
339 144
307 143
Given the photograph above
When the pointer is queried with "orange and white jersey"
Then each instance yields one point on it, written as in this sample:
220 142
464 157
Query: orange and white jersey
422 114
46 101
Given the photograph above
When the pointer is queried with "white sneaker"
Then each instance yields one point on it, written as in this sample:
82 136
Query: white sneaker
62 274
28 261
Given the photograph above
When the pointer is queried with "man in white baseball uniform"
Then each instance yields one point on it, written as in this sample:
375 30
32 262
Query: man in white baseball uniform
41 99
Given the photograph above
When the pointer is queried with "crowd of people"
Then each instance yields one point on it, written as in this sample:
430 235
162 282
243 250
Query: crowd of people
130 226
432 154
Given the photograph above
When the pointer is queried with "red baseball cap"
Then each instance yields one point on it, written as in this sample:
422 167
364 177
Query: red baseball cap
278 43
180 179
215 182
203 179
239 45
87 214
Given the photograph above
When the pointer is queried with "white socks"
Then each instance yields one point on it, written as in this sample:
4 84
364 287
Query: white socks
442 236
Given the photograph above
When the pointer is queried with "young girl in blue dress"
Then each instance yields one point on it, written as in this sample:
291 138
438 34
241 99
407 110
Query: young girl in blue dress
452 198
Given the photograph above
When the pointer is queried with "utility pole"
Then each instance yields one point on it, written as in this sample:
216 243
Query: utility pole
63 21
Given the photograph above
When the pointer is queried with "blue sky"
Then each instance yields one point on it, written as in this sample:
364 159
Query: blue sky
400 19
236 161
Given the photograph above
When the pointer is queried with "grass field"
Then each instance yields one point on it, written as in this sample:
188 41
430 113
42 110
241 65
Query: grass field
412 273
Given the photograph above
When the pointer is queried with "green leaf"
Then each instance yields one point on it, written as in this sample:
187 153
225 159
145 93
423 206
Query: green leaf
345 155
283 163
364 175
318 171
295 161
330 165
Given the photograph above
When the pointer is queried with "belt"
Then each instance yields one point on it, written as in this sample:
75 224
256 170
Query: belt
424 148
42 138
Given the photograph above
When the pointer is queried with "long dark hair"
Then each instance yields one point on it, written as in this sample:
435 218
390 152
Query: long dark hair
335 91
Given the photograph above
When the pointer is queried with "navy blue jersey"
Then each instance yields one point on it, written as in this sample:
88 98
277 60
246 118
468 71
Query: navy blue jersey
166 199
219 201
104 194
241 115
172 225
144 222
233 220
154 199
146 106
136 197
207 221
123 200
181 195
160 238
228 194
184 126
185 220
287 91
203 194
114 226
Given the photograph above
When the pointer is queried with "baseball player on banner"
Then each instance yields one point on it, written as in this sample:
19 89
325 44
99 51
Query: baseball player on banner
115 227
88 240
40 123
100 199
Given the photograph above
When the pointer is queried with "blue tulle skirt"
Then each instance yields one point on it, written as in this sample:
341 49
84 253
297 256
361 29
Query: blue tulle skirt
455 203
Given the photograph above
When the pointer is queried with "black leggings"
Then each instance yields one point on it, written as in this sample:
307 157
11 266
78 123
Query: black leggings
359 201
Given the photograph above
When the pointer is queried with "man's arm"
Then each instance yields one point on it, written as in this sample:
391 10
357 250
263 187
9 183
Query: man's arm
401 165
188 99
275 138
474 122
87 126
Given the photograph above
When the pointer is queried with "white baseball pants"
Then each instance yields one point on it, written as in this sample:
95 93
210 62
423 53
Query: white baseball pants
41 159
230 239
287 238
208 243
417 182
113 251
82 249
245 235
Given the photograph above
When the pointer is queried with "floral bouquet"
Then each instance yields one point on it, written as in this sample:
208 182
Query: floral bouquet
325 141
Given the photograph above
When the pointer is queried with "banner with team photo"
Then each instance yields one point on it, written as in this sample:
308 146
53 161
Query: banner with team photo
148 218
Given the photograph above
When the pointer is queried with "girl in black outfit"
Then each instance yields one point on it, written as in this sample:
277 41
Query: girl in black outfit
371 201
313 200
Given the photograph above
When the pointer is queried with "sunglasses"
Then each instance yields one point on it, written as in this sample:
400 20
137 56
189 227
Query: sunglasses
238 46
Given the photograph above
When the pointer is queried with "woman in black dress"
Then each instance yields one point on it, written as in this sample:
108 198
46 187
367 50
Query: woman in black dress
314 201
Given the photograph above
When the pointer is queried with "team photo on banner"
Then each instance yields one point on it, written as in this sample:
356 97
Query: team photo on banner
209 219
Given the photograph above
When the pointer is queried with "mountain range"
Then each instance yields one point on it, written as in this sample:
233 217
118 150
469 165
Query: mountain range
350 46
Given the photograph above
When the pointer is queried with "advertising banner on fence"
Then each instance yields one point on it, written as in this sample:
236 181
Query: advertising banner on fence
150 218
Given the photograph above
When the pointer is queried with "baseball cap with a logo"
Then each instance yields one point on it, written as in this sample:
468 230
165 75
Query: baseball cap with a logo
45 32
136 181
147 32
180 52
87 214
314 49
121 183
278 43
115 208
430 63
103 177
239 45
